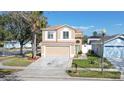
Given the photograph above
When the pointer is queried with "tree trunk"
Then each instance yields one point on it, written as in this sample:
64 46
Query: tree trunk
21 50
33 45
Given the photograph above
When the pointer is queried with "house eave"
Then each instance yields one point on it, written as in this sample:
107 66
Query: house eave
57 44
109 39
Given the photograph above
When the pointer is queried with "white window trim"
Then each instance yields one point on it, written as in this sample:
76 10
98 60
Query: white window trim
51 33
54 36
64 36
61 35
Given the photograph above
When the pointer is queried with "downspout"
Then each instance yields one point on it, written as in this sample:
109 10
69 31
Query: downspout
56 36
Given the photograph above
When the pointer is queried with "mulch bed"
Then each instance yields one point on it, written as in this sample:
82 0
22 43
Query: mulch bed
34 58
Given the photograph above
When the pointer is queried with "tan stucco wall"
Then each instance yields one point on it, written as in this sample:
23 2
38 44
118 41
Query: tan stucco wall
55 51
68 29
78 35
59 34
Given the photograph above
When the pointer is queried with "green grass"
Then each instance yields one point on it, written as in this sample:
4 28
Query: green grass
4 72
86 63
18 62
29 54
95 74
5 58
7 72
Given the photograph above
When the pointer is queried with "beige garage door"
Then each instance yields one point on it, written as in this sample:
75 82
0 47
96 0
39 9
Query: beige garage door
57 51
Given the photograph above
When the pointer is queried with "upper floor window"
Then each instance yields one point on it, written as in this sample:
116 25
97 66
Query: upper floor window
65 35
50 35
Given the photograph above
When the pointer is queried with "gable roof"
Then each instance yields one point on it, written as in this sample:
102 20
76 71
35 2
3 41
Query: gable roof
54 28
51 28
94 37
114 37
109 38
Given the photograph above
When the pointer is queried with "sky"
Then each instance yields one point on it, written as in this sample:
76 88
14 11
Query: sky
89 21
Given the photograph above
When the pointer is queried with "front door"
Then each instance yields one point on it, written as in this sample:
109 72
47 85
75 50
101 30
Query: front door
77 48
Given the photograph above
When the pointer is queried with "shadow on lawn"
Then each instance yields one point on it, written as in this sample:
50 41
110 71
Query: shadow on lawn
7 75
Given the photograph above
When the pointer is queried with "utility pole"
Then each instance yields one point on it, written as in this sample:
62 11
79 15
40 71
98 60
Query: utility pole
102 47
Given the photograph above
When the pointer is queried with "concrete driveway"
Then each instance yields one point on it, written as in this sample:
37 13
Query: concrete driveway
46 67
118 63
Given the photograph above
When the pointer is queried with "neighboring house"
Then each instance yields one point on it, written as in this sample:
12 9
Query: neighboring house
61 40
113 46
92 39
15 44
86 48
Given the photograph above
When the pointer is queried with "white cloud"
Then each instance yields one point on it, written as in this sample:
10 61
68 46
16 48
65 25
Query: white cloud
118 24
91 26
83 27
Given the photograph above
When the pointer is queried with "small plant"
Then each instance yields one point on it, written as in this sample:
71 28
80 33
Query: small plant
91 53
69 71
1 45
79 52
39 54
91 61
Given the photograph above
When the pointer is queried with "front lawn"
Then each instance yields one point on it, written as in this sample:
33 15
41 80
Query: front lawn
91 62
95 74
5 58
6 72
18 62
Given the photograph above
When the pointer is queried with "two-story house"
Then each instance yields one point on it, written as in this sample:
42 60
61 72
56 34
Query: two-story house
62 40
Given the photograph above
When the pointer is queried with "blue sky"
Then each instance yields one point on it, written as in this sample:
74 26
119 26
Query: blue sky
88 21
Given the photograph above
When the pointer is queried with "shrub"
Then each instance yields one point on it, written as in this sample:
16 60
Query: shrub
1 44
91 53
38 54
69 71
80 52
91 62
28 54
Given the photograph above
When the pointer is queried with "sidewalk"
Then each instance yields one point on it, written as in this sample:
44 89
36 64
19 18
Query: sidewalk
94 69
58 78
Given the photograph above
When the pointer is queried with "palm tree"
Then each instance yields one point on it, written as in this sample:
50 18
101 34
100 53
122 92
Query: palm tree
37 21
